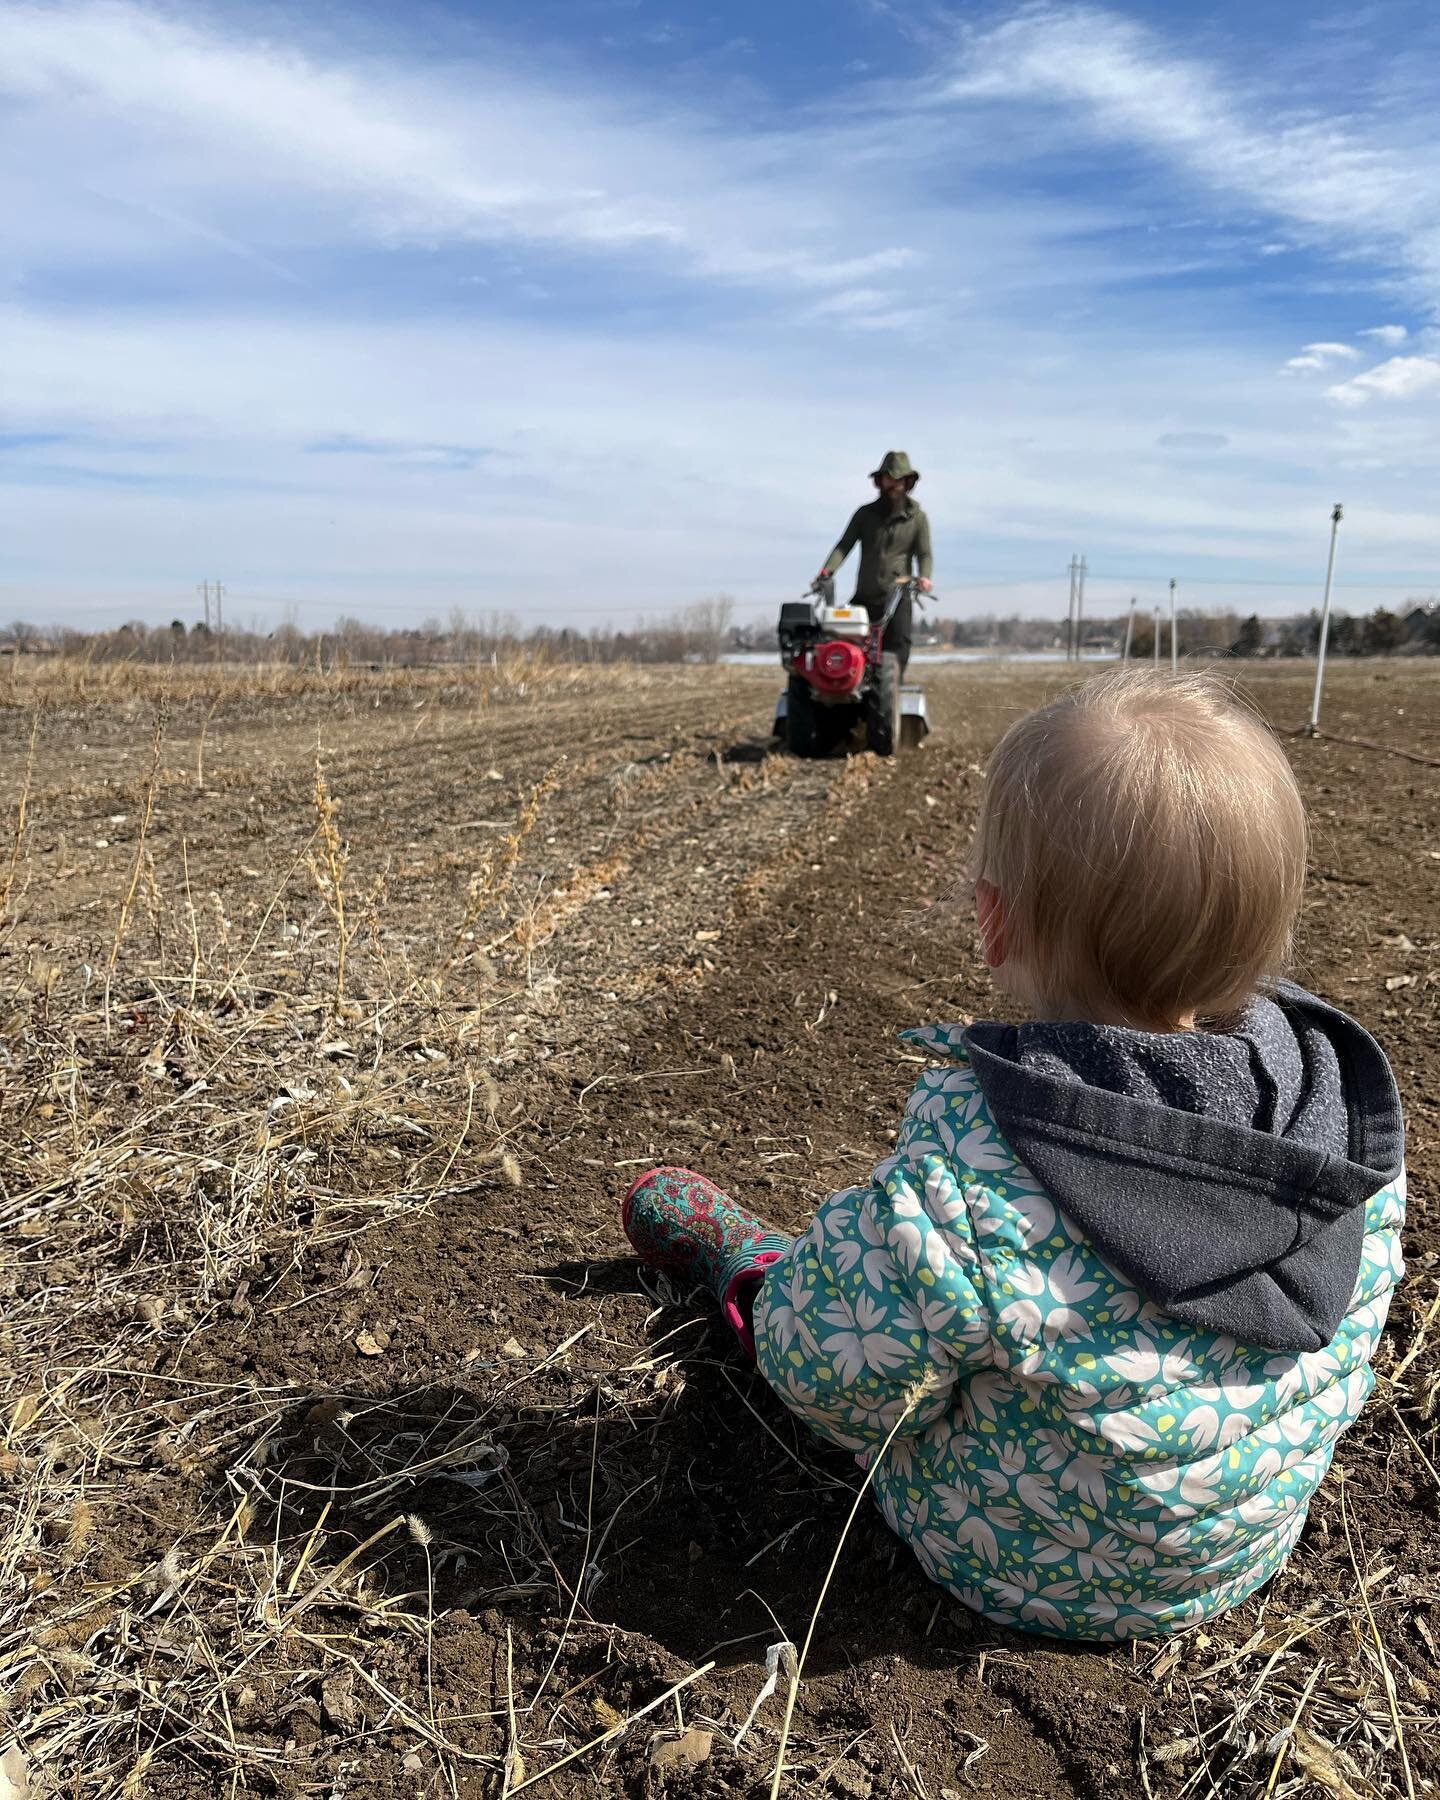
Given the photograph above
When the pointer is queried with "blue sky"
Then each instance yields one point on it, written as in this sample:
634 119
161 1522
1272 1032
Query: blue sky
588 308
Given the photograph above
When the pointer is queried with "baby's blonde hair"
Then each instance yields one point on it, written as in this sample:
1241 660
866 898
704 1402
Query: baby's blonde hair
1148 843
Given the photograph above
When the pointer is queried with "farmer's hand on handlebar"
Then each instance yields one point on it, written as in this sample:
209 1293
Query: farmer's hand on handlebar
926 585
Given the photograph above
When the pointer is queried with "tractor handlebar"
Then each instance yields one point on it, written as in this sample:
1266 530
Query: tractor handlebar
825 584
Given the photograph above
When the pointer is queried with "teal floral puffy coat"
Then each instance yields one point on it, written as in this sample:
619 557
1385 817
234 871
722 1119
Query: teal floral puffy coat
1070 1459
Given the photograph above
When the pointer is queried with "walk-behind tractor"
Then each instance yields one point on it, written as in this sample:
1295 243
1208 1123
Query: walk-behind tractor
842 677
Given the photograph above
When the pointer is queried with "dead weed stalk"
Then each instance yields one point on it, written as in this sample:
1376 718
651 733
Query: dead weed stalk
209 1144
17 839
492 883
147 814
328 866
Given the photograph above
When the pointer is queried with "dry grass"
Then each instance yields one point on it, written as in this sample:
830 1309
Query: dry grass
796 1667
230 1099
279 1083
147 815
70 681
1275 1700
17 837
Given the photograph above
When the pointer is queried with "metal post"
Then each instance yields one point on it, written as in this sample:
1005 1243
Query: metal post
1156 646
1129 631
1174 643
1335 518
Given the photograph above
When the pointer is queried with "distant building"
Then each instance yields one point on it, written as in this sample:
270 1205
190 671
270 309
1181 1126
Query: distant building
1422 624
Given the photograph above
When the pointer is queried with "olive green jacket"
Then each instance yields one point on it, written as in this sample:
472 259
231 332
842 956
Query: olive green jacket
889 542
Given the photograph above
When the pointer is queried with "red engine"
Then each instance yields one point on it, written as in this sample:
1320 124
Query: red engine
835 667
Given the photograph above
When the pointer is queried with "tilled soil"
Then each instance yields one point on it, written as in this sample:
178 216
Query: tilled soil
722 945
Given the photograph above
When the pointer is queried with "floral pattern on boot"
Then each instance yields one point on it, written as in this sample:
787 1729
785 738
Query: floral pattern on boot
684 1227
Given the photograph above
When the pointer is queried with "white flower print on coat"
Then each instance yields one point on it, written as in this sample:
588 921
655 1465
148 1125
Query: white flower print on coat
1073 1460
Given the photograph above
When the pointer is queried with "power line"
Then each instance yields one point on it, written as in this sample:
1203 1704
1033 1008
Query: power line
1248 581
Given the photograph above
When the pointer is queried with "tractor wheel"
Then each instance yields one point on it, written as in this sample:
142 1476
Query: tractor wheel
801 724
882 709
810 728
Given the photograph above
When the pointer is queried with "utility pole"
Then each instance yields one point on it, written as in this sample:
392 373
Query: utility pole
1080 614
1070 613
1129 631
1155 648
1335 518
219 613
1174 644
203 589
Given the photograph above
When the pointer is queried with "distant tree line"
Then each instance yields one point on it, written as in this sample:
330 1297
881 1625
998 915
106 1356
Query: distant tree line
700 632
1220 631
706 630
1007 635
1413 631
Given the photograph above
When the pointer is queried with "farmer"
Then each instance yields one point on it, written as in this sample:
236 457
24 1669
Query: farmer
893 533
1096 1325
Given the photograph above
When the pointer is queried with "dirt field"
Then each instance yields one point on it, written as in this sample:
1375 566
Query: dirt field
346 1454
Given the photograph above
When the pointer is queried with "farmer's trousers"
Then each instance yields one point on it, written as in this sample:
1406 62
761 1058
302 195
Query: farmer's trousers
900 629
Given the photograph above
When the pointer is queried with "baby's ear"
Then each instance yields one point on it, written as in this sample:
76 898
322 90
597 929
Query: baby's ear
990 916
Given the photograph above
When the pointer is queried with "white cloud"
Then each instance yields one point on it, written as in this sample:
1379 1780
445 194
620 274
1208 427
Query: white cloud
637 471
1401 378
690 410
413 169
1389 335
155 133
138 110
1319 356
1346 179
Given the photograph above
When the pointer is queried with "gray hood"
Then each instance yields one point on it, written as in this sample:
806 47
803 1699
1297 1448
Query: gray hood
1225 1174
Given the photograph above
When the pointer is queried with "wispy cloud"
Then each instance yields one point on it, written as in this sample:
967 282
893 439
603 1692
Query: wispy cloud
1320 356
229 253
393 156
1361 182
1192 440
402 455
338 132
1401 378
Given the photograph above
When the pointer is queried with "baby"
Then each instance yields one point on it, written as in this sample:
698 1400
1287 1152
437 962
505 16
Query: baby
1106 1311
